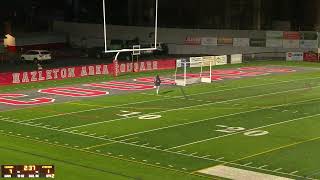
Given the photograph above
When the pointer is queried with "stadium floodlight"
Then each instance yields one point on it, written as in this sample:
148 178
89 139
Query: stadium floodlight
129 50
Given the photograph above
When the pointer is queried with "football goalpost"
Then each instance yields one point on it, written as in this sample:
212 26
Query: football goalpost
197 70
152 48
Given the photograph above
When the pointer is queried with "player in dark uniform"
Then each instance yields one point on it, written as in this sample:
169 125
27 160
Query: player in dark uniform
157 83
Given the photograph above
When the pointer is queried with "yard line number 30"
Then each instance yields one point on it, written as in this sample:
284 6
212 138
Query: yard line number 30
230 130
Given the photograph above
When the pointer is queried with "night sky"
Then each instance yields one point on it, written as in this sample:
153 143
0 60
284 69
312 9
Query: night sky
38 15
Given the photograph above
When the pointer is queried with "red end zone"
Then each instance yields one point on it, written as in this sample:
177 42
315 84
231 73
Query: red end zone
139 84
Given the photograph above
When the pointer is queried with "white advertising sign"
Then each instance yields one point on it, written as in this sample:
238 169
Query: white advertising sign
209 41
291 43
309 44
195 61
208 59
294 56
274 43
241 42
221 60
236 58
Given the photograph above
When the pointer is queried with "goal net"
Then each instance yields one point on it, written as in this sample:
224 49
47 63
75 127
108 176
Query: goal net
193 70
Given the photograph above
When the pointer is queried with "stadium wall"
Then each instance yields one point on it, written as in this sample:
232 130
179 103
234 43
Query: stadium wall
195 41
10 78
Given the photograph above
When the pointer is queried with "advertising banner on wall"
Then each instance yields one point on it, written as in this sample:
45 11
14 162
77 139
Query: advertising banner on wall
287 43
192 40
1 46
274 43
225 41
221 60
274 35
208 59
318 39
195 61
310 56
291 35
311 44
236 58
255 34
209 41
241 42
294 56
309 35
83 71
257 42
181 61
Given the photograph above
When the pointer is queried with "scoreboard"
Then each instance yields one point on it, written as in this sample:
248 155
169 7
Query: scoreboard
27 171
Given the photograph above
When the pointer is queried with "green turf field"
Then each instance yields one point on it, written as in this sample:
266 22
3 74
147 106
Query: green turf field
268 124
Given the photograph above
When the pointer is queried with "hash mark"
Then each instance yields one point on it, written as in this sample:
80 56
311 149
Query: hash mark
221 125
219 159
277 169
206 156
261 167
180 151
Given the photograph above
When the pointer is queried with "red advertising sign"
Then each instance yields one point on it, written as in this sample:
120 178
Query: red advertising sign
192 40
291 35
310 56
83 71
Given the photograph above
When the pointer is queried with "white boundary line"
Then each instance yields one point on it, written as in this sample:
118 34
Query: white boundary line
217 117
208 92
188 107
161 150
240 132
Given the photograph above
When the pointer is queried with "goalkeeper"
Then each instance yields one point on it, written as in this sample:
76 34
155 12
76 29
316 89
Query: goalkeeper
157 83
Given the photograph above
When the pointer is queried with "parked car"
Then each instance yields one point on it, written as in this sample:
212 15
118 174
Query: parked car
36 56
98 52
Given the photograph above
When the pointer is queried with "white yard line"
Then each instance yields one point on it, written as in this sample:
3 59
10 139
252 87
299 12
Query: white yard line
187 107
207 119
240 132
144 147
140 102
277 169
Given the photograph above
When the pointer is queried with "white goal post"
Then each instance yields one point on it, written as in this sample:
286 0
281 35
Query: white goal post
130 50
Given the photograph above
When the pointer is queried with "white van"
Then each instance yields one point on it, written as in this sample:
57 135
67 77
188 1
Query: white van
36 56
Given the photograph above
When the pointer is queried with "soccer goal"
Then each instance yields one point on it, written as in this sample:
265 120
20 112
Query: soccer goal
194 70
